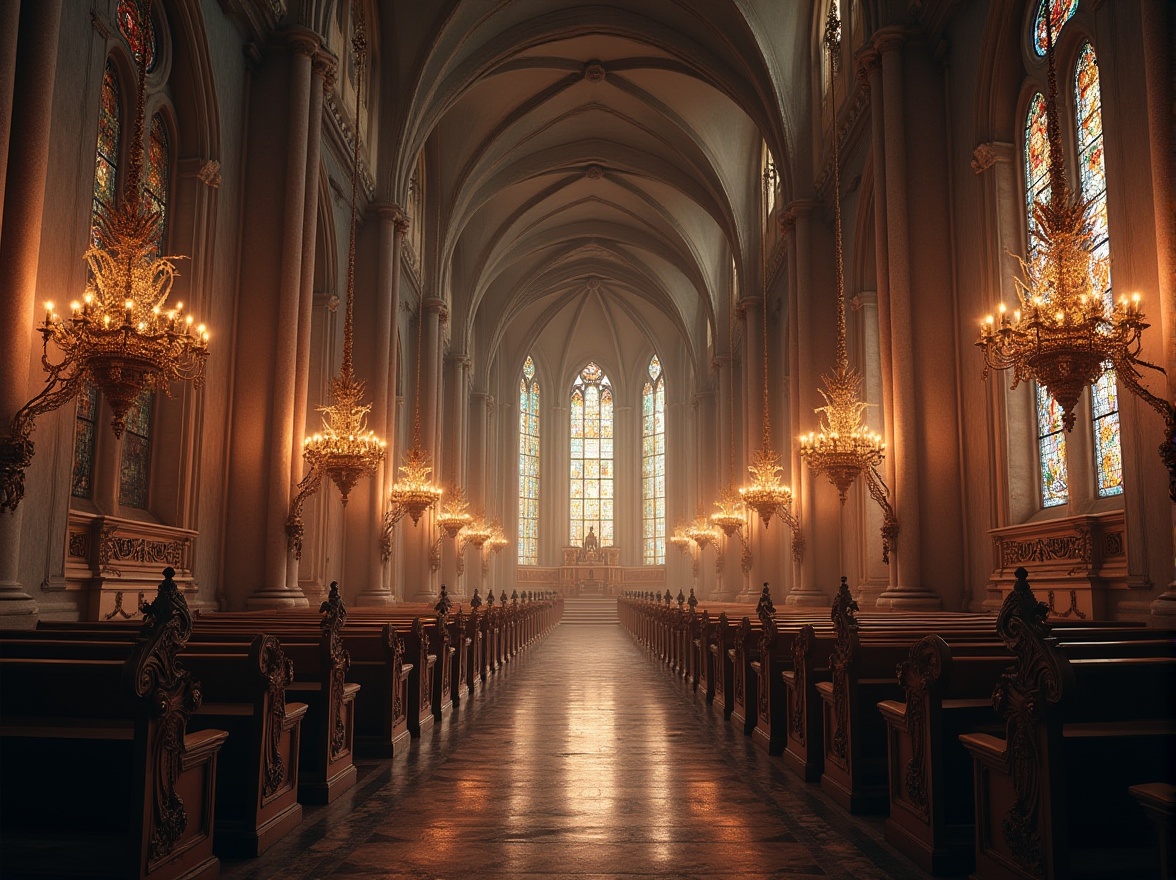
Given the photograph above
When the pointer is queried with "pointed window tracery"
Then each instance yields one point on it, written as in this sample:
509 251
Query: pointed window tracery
653 466
591 475
528 465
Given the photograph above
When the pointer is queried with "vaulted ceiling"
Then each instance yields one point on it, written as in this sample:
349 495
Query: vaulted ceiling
599 157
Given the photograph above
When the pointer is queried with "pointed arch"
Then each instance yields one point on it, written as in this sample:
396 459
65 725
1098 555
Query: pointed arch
591 469
528 530
653 465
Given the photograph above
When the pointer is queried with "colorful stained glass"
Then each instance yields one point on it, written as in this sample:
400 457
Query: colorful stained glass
131 15
158 175
85 421
135 469
653 466
107 152
1051 444
528 531
1092 176
1060 12
591 470
1036 163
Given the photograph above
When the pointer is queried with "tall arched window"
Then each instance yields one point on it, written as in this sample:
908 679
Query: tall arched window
592 456
1051 434
653 466
528 465
1060 12
1092 178
106 162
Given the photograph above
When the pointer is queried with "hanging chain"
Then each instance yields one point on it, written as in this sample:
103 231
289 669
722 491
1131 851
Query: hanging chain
833 46
766 421
1057 159
135 160
731 392
359 42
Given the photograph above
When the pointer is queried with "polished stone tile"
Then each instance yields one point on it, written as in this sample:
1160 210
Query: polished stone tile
582 759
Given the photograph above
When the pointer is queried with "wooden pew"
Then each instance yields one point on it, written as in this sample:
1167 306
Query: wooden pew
101 776
1112 717
243 686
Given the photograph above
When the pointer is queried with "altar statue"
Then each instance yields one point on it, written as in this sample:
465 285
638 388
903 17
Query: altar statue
591 546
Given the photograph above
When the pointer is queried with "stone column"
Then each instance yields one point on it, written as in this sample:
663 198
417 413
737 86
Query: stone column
456 403
871 68
908 590
9 27
751 311
422 578
1156 20
275 592
393 224
324 74
805 590
20 249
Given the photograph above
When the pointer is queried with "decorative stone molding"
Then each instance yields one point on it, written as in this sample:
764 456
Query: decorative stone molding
260 17
594 72
109 559
210 174
983 158
344 130
594 172
1079 560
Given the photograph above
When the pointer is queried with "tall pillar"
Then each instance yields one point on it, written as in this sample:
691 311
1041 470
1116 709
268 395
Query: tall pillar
1156 20
9 29
421 576
275 591
871 68
324 73
751 312
909 590
20 249
392 227
456 403
805 590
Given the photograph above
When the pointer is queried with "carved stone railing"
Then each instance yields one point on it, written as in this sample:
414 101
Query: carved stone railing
1078 562
115 562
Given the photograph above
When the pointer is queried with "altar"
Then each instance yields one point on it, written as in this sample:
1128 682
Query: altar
593 572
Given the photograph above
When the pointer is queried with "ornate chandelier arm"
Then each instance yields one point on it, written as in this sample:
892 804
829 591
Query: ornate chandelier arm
392 516
785 513
879 492
308 486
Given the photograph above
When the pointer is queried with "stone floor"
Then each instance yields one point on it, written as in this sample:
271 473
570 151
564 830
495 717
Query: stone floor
581 759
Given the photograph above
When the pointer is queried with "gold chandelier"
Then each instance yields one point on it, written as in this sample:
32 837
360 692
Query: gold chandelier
345 451
1064 335
765 494
120 336
413 493
701 533
455 513
844 447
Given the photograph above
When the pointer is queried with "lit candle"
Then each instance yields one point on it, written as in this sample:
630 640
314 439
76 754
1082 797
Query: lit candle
49 312
130 304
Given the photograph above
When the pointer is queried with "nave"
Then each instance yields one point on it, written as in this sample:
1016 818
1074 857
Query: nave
582 760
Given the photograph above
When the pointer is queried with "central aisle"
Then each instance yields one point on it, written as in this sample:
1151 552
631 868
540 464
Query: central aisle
581 759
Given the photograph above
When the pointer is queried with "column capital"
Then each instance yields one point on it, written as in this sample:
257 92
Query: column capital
326 67
459 359
746 304
868 59
890 39
394 213
302 41
798 208
433 305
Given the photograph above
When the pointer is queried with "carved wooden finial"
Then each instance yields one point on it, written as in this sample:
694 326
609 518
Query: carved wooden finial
476 601
764 607
693 600
844 607
681 599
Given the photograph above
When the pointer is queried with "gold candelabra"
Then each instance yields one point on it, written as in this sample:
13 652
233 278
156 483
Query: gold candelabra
453 517
1064 334
346 450
120 335
844 447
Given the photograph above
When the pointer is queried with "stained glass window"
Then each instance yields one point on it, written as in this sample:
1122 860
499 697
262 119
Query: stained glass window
1051 437
528 465
1093 179
135 471
86 416
592 456
131 15
1060 12
653 466
1051 445
158 175
107 152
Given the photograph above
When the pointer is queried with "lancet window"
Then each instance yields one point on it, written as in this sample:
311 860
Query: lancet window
528 465
653 466
591 456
